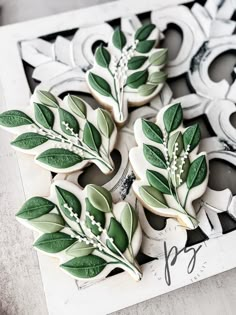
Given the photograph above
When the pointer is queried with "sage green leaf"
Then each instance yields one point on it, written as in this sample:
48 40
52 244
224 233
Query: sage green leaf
43 115
91 136
144 31
59 158
54 242
173 117
119 236
34 208
48 223
145 46
129 221
118 39
154 156
67 118
99 84
175 140
98 215
136 62
152 197
152 131
157 77
77 106
65 197
176 180
192 137
197 172
14 118
100 198
146 89
158 181
80 249
47 98
102 57
137 78
159 58
29 140
85 267
105 122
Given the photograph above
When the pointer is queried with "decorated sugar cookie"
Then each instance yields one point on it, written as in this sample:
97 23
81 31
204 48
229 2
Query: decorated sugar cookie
63 135
128 71
170 172
89 234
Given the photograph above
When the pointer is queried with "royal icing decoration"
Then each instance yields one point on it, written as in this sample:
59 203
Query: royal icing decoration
63 135
128 71
170 172
89 234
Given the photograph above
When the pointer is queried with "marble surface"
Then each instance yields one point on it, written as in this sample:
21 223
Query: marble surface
21 291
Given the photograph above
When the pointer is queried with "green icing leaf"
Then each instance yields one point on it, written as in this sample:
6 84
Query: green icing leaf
152 197
173 117
136 79
154 156
192 137
43 115
66 197
77 106
47 98
80 249
119 236
48 223
136 62
129 220
144 31
152 131
175 139
118 39
59 158
158 181
100 198
91 136
34 208
197 172
67 118
14 118
98 215
102 57
146 89
159 58
157 77
85 267
145 46
29 140
177 181
99 84
54 242
105 122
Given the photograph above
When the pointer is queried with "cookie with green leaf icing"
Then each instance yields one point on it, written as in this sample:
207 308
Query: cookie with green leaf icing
127 72
63 135
89 234
170 171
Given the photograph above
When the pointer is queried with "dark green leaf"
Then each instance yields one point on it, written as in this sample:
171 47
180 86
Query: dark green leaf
54 242
91 136
119 236
105 122
176 139
144 31
145 46
159 58
85 267
47 98
157 77
48 223
103 57
29 140
14 118
66 197
100 198
34 208
80 249
98 215
59 158
137 78
129 220
99 84
173 117
152 197
136 62
154 156
146 89
197 172
158 181
152 131
67 118
192 137
77 105
43 115
118 39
